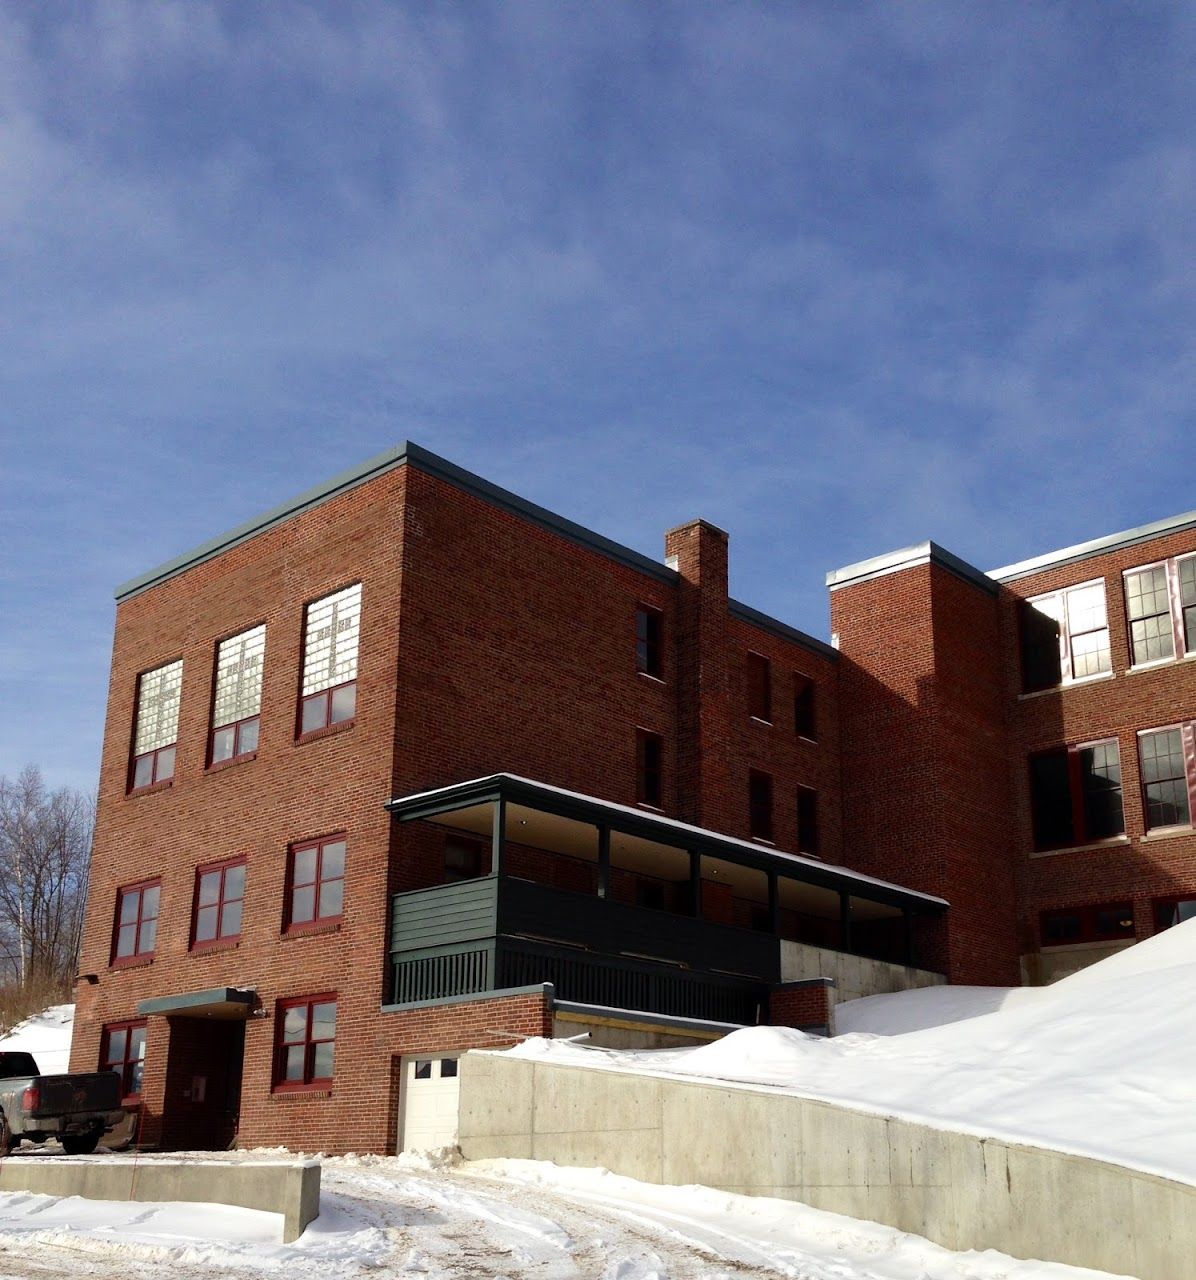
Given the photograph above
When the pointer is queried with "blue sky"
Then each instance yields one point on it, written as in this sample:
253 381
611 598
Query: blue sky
837 277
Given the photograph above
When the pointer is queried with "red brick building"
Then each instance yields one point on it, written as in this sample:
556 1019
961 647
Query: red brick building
410 765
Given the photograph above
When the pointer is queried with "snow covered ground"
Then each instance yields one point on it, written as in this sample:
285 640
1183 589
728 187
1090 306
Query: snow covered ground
1099 1064
519 1219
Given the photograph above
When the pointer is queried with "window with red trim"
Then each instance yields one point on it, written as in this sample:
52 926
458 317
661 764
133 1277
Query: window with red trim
156 730
317 882
330 636
237 697
1160 607
1064 637
305 1053
759 683
1172 911
649 755
122 1049
1167 786
136 931
219 900
1106 922
807 821
759 804
1075 795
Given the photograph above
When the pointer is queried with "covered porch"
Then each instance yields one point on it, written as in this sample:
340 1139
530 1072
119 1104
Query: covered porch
617 906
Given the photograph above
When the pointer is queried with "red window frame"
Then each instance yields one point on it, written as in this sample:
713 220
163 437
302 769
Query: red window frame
162 759
317 884
326 701
140 888
1078 798
649 768
1167 905
249 727
308 1043
759 687
1088 916
760 826
126 1063
223 899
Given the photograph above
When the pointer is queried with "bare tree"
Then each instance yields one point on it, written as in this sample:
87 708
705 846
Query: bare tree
45 848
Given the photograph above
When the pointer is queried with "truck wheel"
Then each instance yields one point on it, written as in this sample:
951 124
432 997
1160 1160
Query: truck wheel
80 1144
7 1141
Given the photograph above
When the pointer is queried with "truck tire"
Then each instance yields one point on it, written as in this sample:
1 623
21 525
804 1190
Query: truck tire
7 1141
80 1144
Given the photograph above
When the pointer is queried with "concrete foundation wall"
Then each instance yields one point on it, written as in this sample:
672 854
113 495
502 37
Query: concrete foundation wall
854 976
292 1189
962 1191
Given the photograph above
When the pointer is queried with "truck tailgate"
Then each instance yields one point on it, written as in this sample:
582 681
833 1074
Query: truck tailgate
77 1094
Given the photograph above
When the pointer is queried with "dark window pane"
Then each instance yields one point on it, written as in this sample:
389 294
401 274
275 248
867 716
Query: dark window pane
1100 783
759 674
462 859
803 708
1060 926
649 750
1149 610
423 1069
760 805
1050 801
1174 912
1041 662
807 820
1115 922
116 1046
136 1073
448 1068
647 642
1164 778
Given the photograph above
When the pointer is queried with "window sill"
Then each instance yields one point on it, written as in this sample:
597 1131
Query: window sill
767 724
328 731
311 930
648 808
770 844
220 944
1159 664
321 1090
812 742
1120 842
1067 684
164 785
1167 833
220 765
647 675
132 962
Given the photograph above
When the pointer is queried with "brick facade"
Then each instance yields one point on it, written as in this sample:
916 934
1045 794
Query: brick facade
495 638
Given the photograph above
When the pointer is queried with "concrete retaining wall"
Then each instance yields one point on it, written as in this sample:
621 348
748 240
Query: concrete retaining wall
854 976
962 1191
292 1189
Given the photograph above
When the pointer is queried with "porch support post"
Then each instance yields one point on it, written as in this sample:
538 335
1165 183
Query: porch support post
774 905
908 919
498 841
695 883
604 861
845 921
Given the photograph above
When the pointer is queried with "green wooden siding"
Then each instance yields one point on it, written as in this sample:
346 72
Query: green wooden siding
445 916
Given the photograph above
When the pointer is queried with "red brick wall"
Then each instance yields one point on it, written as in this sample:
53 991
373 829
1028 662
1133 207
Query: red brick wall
1140 868
925 788
800 1006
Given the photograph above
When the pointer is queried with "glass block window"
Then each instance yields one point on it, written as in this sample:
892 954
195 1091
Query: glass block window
159 693
136 933
1165 798
306 1051
219 900
330 640
317 876
1148 608
237 704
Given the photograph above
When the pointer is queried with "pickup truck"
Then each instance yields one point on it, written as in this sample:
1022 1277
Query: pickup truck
74 1109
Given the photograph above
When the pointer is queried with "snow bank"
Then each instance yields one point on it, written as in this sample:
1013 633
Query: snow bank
1100 1064
46 1035
892 1015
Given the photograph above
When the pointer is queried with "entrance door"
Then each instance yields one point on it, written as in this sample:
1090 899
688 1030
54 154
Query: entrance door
429 1097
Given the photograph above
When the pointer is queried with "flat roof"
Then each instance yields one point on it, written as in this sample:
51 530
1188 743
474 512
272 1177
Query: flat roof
908 558
425 805
1095 547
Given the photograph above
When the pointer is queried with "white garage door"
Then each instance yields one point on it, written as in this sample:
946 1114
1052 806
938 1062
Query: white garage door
428 1103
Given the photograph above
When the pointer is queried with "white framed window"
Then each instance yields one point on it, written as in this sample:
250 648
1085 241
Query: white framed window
330 640
237 701
1160 608
1168 763
156 732
1065 636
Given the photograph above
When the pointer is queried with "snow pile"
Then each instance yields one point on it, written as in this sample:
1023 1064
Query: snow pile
46 1035
901 1011
1100 1064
